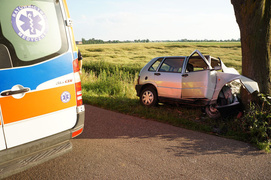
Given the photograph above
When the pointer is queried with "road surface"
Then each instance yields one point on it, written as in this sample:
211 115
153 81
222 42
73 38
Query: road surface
117 146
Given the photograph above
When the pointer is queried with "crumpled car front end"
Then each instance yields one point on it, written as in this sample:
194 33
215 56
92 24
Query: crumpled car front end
229 84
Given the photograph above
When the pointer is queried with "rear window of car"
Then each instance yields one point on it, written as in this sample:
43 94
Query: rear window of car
32 31
155 65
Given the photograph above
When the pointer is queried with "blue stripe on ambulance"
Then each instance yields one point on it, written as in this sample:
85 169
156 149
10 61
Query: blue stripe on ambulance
32 76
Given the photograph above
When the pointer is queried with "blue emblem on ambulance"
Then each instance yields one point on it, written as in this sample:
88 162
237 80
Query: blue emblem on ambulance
30 23
65 97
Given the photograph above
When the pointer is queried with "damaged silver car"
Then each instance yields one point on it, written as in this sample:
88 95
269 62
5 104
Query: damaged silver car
195 79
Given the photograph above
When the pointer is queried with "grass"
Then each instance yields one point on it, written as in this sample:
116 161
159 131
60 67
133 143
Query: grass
110 73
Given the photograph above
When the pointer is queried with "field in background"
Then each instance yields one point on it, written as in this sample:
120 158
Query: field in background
138 54
110 73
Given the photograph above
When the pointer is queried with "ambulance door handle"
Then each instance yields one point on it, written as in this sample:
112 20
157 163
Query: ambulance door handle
13 92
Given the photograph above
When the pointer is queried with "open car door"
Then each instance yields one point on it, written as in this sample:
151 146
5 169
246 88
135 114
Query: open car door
198 81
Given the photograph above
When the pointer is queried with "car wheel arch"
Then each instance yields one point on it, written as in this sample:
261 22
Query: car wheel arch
148 86
220 86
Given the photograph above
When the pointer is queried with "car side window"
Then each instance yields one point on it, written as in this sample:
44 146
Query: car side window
155 65
172 65
196 64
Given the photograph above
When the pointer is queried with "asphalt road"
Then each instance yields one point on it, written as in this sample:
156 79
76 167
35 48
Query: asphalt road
117 146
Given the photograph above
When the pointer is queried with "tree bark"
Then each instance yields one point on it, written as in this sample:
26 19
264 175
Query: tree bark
254 20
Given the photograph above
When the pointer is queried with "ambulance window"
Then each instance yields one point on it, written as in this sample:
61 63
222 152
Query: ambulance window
35 30
5 61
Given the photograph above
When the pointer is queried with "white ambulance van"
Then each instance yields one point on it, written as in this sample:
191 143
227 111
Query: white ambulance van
41 105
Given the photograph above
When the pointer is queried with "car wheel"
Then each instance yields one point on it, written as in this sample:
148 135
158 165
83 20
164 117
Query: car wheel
212 111
148 97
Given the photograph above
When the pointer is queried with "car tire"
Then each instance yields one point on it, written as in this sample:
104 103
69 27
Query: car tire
212 112
148 97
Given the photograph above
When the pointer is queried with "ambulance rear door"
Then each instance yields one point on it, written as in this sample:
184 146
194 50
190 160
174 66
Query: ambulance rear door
37 81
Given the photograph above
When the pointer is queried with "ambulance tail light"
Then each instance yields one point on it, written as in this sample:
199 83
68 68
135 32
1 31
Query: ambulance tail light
76 68
78 88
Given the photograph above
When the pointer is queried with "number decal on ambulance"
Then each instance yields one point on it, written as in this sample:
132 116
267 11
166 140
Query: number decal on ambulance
30 23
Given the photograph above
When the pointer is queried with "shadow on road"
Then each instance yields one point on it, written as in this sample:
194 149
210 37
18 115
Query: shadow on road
104 124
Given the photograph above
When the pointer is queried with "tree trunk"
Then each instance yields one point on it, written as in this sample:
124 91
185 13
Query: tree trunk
254 20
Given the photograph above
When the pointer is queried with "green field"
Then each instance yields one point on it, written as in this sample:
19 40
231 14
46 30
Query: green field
110 73
138 54
111 70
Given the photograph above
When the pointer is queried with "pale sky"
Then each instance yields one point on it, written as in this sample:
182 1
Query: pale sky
153 19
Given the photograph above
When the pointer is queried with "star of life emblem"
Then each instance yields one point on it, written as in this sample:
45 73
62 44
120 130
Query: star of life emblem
65 97
29 22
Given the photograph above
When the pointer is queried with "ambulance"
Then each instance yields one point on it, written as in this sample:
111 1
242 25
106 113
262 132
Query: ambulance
41 106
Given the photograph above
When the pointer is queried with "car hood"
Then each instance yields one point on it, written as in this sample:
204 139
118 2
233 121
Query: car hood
232 74
250 85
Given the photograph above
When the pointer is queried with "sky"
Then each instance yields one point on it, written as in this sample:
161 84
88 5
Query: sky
153 19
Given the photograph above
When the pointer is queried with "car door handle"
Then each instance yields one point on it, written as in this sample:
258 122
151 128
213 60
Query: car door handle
13 92
184 75
157 74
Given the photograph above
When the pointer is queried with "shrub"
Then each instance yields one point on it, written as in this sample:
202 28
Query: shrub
257 123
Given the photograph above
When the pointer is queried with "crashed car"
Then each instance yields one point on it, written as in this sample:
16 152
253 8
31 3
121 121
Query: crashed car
195 79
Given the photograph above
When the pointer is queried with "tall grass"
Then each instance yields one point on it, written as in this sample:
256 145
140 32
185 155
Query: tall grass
109 81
